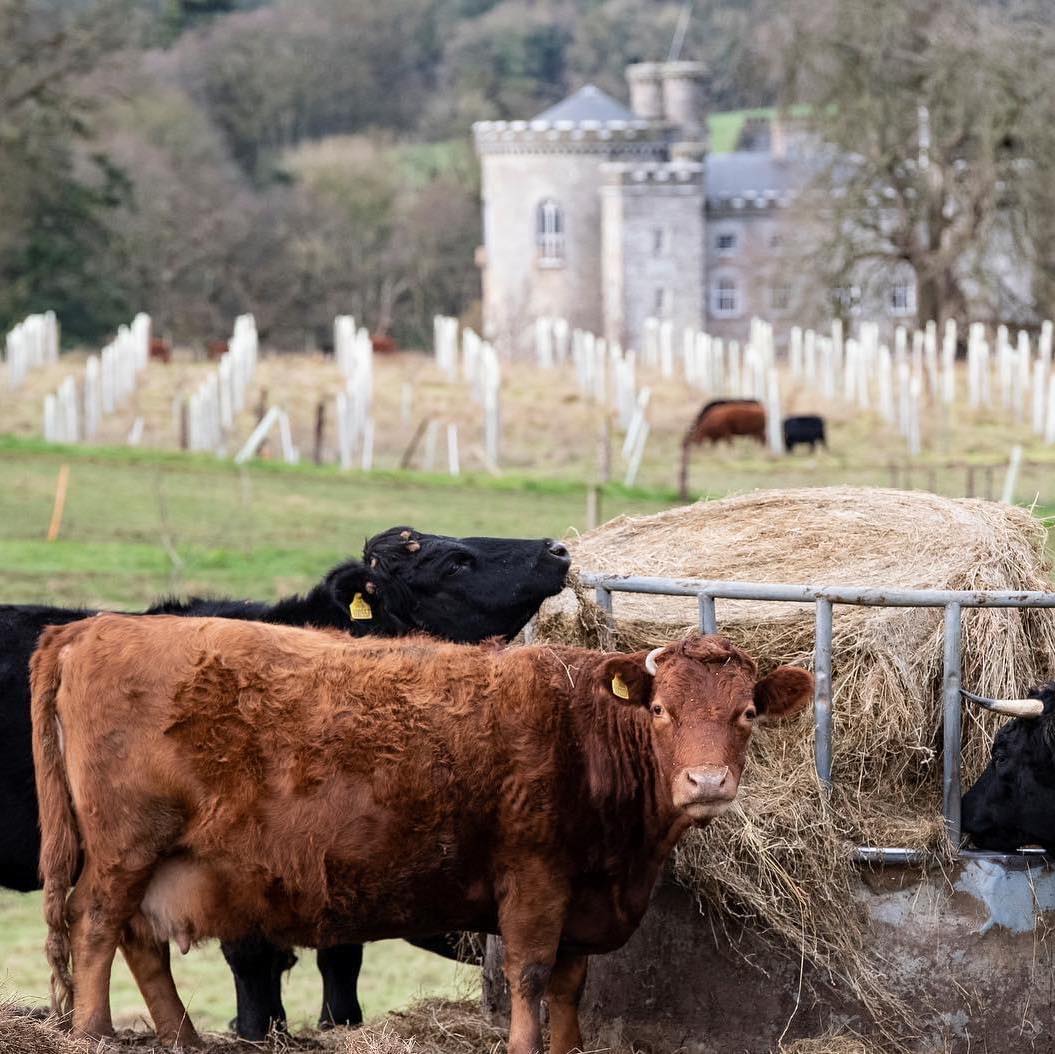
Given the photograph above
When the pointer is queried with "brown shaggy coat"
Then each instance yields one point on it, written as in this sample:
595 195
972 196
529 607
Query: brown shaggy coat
726 421
214 779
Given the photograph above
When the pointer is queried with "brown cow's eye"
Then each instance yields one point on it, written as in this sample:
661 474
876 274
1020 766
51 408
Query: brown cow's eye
750 713
657 710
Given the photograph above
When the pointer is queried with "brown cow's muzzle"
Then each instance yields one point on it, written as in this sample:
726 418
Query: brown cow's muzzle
705 791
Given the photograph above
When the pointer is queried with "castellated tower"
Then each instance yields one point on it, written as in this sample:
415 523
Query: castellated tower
653 242
542 210
652 247
594 212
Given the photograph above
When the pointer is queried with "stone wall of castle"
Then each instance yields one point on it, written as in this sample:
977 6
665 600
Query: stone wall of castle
653 248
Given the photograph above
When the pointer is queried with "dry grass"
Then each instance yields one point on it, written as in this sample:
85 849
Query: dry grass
433 1026
549 429
783 856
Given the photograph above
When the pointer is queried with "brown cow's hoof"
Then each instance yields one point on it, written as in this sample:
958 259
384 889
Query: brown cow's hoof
183 1038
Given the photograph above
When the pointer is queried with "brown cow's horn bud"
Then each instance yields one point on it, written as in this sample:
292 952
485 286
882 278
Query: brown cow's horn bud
413 547
650 660
1030 708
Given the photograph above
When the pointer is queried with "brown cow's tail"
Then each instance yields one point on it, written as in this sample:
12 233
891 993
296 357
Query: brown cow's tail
60 838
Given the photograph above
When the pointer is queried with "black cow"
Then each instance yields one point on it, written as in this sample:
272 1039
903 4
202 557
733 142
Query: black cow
1012 804
805 429
463 589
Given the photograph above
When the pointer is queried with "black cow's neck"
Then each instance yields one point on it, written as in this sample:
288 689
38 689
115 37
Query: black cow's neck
318 609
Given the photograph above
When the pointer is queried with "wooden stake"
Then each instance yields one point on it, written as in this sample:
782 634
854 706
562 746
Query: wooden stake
593 506
415 439
320 429
60 502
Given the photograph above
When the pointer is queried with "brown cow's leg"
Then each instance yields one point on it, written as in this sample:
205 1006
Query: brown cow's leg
531 917
103 903
565 990
93 937
149 962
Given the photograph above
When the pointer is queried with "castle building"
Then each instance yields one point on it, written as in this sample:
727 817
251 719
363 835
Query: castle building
606 215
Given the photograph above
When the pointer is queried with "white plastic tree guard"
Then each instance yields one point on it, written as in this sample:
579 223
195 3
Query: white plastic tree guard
33 343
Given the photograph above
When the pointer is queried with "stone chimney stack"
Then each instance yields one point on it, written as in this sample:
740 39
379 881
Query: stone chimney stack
683 99
646 91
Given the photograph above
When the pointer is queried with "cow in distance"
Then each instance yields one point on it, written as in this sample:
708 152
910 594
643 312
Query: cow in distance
721 420
804 430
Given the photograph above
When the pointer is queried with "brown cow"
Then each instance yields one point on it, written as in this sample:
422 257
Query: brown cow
383 343
210 778
160 349
721 419
726 418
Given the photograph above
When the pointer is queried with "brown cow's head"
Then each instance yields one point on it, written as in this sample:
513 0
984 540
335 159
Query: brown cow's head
704 698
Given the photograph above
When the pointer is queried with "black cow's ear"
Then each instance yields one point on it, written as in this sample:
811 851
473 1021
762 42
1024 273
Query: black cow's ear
353 591
786 691
624 678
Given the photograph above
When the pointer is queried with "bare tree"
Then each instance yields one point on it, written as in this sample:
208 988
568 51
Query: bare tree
925 133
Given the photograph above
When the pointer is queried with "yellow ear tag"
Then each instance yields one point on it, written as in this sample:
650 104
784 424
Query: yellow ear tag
359 609
619 687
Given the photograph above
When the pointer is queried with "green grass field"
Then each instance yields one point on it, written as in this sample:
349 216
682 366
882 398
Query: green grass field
139 525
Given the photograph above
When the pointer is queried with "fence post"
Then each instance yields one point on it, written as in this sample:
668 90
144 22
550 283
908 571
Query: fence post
320 429
953 717
593 506
1008 495
604 602
822 699
708 618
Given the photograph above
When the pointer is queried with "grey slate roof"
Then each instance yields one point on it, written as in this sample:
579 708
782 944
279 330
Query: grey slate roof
587 104
739 173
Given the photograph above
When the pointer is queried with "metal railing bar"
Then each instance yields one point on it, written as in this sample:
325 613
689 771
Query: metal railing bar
822 697
824 597
708 616
872 855
797 594
953 718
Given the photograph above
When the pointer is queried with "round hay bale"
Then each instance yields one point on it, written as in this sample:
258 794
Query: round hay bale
783 856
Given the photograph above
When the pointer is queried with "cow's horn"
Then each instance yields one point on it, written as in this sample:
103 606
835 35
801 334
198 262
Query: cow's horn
1013 707
650 660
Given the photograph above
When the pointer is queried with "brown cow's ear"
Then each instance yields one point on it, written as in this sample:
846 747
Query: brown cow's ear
786 691
623 677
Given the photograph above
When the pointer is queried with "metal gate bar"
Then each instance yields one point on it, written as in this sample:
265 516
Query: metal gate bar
823 598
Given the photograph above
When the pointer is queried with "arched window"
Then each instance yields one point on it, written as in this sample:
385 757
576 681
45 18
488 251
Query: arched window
549 233
725 297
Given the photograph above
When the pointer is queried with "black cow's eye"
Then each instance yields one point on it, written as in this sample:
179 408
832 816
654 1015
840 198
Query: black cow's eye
456 567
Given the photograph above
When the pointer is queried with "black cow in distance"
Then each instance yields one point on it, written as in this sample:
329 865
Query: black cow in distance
806 429
461 589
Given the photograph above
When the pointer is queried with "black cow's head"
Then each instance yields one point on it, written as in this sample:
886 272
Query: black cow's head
461 589
1013 802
